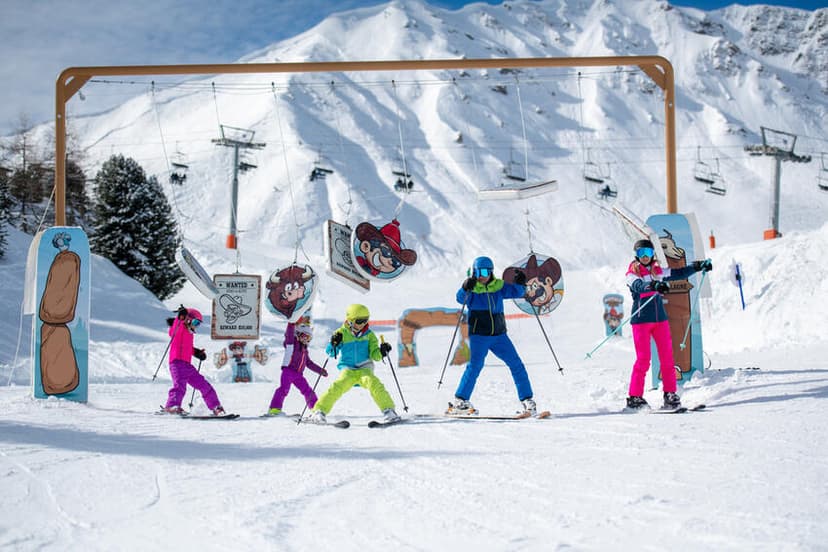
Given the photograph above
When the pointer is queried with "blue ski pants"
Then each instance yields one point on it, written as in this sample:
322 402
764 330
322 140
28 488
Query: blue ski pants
502 347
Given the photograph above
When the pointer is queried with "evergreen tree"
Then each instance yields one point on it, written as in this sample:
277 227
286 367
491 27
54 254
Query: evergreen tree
135 228
5 210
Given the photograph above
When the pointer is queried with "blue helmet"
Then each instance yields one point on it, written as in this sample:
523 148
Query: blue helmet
482 266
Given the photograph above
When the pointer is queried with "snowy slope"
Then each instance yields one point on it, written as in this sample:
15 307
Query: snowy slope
748 474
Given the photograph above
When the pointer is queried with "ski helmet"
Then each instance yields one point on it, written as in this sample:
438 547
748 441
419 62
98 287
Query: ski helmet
482 263
643 243
194 315
304 328
356 311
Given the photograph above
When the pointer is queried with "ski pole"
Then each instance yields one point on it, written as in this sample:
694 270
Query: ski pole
739 280
164 355
543 330
453 336
319 377
192 397
391 364
683 343
589 354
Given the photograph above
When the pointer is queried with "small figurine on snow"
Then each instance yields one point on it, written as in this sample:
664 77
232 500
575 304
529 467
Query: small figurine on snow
297 339
182 329
484 295
357 347
647 281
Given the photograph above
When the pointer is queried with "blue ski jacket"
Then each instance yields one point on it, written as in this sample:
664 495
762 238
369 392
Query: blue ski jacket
640 279
485 304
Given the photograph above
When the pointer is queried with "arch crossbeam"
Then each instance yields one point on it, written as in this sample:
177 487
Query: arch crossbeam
71 80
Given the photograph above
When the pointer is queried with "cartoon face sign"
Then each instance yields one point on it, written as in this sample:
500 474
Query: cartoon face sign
544 283
378 253
290 291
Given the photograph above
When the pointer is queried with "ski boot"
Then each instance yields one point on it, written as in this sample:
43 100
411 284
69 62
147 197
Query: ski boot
390 415
671 401
461 407
219 411
174 410
529 407
637 403
318 417
275 412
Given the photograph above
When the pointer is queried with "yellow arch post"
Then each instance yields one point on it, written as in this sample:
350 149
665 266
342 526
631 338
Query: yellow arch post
72 79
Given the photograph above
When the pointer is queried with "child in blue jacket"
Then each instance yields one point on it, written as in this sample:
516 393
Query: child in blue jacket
483 294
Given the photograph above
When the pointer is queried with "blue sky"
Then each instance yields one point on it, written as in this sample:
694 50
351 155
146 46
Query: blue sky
42 37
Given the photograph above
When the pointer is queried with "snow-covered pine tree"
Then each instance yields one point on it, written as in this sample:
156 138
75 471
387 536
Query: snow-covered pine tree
135 228
5 210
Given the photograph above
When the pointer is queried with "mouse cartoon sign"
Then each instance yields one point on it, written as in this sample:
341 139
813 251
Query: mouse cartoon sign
379 253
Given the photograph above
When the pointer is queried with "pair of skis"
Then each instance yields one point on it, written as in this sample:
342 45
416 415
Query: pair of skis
187 415
341 424
679 410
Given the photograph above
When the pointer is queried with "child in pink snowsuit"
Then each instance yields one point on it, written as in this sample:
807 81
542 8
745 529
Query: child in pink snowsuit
181 370
647 282
296 359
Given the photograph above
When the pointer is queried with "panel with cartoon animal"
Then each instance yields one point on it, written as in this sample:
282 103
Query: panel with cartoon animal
676 238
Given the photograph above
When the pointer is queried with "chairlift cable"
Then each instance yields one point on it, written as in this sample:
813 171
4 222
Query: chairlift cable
402 150
177 213
287 172
341 150
468 133
523 129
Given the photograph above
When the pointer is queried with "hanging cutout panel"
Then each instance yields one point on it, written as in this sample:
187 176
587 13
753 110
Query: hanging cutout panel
340 264
291 290
378 252
236 313
544 283
196 274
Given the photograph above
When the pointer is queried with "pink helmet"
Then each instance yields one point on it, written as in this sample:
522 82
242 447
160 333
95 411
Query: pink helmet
195 315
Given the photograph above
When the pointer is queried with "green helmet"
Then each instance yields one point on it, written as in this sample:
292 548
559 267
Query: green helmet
356 311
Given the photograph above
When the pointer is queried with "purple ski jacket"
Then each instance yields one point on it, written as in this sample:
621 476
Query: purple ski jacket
296 353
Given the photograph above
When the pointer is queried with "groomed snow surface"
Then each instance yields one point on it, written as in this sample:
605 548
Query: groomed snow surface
748 474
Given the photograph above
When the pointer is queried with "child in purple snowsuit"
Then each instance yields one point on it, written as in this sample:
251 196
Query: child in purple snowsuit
296 359
182 328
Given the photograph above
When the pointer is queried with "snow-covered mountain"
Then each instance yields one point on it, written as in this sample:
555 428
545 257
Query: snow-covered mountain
736 70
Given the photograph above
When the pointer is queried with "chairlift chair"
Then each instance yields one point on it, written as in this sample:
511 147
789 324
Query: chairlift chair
592 173
822 175
178 168
606 191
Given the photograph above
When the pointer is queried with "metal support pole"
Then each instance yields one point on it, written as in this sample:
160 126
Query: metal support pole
232 242
774 206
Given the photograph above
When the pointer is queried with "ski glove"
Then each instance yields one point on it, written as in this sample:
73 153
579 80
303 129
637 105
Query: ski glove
182 313
385 348
199 354
659 286
469 284
520 278
336 339
705 265
170 321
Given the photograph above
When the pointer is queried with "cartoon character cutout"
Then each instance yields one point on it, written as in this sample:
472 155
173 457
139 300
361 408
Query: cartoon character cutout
613 313
544 283
290 291
241 366
379 253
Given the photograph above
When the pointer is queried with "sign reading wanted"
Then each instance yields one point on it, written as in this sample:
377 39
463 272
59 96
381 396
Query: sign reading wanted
236 312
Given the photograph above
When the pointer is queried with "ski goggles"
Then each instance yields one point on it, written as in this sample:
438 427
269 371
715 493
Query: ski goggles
482 272
195 322
644 252
360 320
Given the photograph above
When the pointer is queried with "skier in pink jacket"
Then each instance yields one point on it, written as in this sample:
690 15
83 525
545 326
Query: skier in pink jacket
182 328
296 359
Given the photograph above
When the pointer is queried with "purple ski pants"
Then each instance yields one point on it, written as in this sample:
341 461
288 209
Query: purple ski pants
292 377
660 333
183 373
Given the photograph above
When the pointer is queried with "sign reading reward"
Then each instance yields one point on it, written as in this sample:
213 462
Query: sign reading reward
236 313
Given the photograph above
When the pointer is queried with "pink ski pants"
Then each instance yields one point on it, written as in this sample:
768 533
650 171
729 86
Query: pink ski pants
660 332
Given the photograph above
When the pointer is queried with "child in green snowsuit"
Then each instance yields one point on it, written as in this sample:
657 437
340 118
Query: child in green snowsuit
357 348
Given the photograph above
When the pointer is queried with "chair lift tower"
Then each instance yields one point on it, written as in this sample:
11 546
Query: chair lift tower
236 138
780 146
